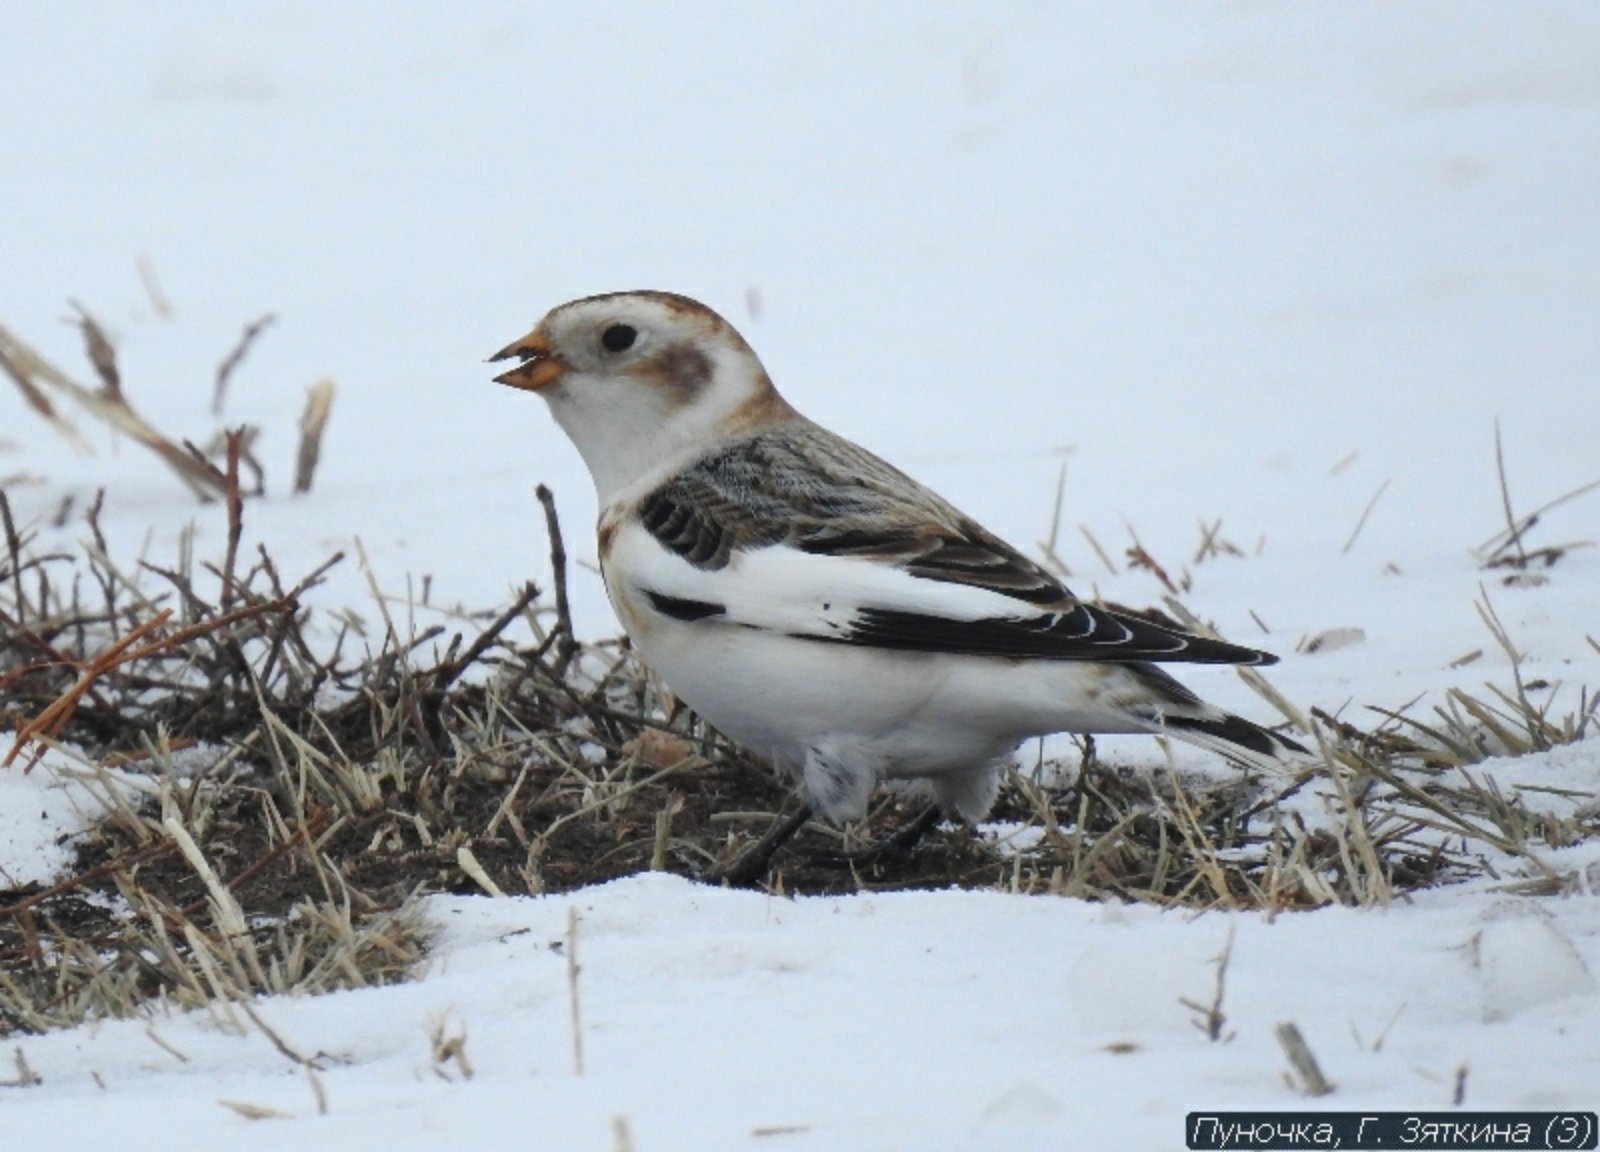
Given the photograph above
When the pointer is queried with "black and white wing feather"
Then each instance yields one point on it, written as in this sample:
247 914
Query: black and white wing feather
810 535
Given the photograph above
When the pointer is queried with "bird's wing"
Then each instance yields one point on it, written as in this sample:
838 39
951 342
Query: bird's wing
797 531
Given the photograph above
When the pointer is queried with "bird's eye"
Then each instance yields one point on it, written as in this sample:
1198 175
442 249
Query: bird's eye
619 337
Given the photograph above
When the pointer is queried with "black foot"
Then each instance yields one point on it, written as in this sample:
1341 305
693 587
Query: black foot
900 841
751 864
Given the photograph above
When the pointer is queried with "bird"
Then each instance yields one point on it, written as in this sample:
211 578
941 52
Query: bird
817 605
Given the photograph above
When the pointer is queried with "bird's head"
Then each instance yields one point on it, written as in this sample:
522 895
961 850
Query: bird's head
641 380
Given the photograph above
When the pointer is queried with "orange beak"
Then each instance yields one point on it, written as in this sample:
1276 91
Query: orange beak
540 365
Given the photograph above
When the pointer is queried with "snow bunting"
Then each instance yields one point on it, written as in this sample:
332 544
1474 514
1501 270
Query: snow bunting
816 604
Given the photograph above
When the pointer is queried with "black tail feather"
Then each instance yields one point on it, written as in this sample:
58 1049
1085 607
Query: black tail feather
1237 731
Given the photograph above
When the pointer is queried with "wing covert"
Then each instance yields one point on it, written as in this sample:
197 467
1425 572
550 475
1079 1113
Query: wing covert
866 551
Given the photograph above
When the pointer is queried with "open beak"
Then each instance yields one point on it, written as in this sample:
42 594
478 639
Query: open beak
540 365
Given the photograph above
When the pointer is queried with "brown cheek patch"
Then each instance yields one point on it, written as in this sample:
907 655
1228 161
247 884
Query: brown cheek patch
688 366
682 371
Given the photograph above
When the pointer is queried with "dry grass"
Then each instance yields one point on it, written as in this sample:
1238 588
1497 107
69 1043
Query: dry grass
37 379
274 804
278 788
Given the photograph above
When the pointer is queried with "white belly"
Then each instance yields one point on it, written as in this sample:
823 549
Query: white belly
907 713
838 714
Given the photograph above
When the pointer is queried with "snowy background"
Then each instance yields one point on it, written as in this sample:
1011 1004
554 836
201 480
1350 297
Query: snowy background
1203 254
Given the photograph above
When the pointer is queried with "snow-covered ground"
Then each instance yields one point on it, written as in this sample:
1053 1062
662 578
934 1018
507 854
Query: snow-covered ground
902 1020
1249 262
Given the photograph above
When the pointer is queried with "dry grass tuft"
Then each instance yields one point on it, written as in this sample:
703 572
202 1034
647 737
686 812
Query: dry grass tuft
278 788
35 377
38 379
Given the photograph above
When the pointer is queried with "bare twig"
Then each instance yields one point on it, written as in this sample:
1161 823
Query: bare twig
97 346
22 363
572 989
1094 545
232 360
451 669
26 1076
1362 522
1139 557
235 505
1211 544
1501 540
1210 1018
1513 532
14 552
217 448
15 365
1510 537
54 718
566 641
1048 545
83 880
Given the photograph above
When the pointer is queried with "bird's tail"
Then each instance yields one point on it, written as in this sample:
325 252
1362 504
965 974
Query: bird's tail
1231 736
1170 709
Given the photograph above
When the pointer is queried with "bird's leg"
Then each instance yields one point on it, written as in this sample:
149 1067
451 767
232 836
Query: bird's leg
751 864
902 839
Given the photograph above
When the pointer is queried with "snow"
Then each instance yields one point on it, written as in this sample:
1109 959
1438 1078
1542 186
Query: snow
41 815
914 1020
1201 254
